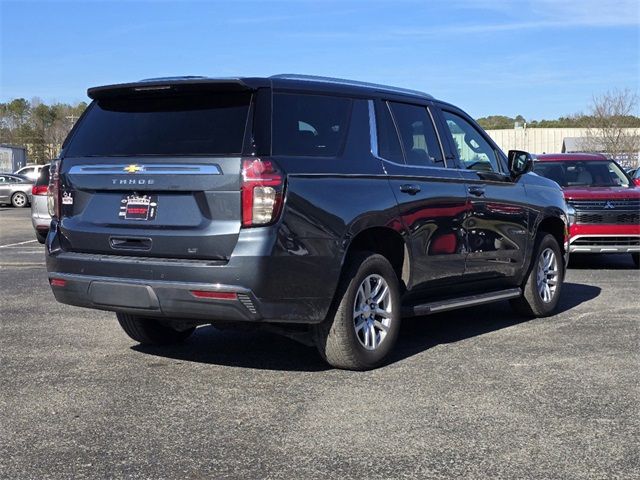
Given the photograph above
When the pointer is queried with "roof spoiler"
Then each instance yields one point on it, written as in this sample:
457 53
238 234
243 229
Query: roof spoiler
174 85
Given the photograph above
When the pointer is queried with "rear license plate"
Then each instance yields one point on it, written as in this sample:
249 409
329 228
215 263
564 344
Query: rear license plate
138 207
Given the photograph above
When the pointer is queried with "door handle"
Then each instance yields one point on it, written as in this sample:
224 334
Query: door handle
476 190
410 188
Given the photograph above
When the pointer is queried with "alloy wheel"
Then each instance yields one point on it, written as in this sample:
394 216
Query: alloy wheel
547 275
372 311
19 200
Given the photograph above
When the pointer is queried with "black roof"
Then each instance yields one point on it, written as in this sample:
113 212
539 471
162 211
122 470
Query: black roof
305 82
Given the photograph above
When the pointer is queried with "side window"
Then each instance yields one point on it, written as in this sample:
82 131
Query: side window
474 151
388 141
417 134
2 180
309 125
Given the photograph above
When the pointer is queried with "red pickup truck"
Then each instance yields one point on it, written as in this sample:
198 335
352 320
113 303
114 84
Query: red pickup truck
603 201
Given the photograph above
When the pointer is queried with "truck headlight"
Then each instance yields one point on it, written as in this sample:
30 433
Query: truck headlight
572 214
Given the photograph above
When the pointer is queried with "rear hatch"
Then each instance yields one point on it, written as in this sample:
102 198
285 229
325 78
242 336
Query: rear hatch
155 171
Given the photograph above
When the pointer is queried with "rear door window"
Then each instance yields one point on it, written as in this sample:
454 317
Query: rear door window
309 125
204 124
417 134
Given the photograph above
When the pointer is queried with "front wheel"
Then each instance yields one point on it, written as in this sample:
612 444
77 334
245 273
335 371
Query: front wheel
543 285
363 323
150 331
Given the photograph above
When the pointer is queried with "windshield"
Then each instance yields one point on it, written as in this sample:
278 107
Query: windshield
600 173
205 124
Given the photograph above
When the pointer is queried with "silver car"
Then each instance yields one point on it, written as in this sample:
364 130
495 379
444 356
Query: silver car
15 190
40 217
30 171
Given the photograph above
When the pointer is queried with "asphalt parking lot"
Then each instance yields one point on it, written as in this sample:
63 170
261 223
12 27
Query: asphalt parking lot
479 393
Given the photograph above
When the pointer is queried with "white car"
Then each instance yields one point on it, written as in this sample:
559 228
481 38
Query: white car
32 172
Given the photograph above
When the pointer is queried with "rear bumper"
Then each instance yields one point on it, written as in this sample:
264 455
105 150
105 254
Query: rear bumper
155 298
40 218
269 288
586 238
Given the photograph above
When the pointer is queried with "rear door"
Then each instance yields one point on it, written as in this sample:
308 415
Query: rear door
431 198
156 174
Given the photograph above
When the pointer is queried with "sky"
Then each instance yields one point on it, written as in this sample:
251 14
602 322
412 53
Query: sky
537 58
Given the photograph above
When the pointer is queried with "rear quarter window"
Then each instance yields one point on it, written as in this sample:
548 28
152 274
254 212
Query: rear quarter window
309 125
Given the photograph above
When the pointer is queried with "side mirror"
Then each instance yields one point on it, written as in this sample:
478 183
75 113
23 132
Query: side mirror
520 162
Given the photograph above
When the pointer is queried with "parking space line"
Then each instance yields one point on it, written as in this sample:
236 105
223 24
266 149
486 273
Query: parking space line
18 243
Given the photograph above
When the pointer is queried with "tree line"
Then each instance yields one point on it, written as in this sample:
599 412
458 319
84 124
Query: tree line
502 122
39 127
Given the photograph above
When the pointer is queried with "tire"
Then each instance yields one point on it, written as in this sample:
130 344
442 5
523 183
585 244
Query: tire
149 331
636 259
363 342
41 237
19 200
533 302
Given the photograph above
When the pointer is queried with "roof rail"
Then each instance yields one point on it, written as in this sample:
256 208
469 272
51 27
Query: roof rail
355 83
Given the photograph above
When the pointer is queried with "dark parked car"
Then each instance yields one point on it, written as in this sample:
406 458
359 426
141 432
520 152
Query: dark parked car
15 189
326 209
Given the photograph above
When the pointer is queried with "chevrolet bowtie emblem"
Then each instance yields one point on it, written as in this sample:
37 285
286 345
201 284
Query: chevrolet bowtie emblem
133 168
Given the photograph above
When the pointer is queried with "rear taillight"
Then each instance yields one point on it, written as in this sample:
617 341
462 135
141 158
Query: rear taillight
53 191
39 190
636 181
262 189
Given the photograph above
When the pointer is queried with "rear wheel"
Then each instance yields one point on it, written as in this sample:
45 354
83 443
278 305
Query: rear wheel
636 259
19 200
150 331
363 323
542 288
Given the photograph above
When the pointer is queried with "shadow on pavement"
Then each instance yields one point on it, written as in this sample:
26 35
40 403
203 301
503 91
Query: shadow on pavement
240 348
266 351
421 333
601 261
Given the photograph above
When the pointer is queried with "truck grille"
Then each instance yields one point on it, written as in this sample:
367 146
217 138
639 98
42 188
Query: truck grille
608 217
632 204
603 241
624 211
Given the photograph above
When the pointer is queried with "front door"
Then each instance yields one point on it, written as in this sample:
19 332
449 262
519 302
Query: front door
496 228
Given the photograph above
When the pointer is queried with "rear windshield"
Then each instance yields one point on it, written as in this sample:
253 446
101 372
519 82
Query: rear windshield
309 125
43 177
209 124
598 173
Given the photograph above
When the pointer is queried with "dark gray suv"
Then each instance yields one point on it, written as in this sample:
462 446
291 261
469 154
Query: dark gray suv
324 208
